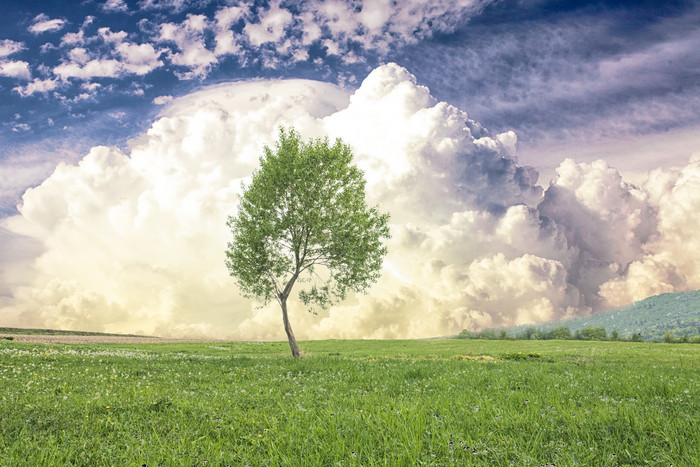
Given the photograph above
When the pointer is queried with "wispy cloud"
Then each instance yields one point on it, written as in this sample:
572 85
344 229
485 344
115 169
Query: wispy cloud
40 86
573 74
13 68
173 6
8 47
42 23
162 100
115 6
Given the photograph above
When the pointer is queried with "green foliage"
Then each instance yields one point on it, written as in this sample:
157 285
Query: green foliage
303 217
669 337
466 334
529 332
422 402
591 333
561 332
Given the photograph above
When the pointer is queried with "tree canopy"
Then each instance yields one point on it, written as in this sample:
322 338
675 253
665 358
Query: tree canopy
303 219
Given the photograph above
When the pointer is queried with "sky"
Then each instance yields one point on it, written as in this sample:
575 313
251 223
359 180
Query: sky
540 159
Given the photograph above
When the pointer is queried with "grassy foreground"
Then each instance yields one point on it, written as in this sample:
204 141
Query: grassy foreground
434 402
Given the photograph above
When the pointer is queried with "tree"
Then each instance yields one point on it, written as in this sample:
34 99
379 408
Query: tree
303 219
488 334
466 334
670 338
562 332
591 333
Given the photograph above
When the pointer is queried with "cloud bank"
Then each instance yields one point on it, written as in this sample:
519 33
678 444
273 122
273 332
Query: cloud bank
135 242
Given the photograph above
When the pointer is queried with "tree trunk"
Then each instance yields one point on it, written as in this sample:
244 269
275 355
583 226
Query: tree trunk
288 329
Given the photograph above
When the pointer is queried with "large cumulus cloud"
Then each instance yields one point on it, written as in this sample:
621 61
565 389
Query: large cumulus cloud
134 241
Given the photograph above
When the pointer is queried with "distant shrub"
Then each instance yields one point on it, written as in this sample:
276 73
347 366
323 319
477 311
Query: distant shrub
588 333
561 332
670 338
591 333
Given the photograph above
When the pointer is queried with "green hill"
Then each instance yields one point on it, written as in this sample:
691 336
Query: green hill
678 313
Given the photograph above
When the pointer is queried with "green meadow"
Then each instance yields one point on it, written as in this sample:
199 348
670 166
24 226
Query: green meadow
419 402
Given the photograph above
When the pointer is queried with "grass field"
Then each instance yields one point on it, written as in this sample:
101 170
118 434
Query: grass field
432 402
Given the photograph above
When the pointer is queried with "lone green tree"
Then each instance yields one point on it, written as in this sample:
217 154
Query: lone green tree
303 219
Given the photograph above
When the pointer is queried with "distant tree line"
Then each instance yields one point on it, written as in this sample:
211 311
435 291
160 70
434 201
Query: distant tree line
588 333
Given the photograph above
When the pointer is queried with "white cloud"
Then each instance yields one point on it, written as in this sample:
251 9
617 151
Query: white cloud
272 36
15 69
311 31
41 86
123 58
18 127
136 90
281 34
47 47
189 38
8 47
380 25
174 6
116 6
226 17
134 242
98 68
271 25
41 23
666 265
139 59
73 38
87 21
79 55
162 100
608 221
111 37
91 87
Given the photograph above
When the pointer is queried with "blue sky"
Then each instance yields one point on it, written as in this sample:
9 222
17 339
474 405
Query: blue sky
569 77
540 159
